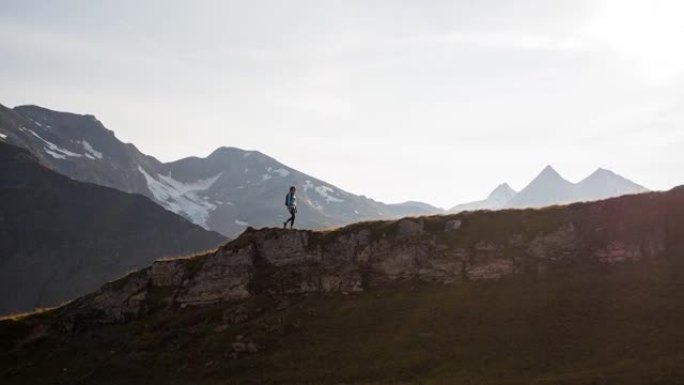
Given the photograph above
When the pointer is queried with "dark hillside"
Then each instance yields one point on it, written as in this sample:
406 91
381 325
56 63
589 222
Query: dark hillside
590 293
60 239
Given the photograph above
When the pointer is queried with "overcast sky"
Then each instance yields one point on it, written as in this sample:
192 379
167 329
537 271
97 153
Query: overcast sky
437 101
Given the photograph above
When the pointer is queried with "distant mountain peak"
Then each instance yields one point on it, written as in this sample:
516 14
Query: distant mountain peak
503 187
502 192
602 173
549 172
227 151
495 200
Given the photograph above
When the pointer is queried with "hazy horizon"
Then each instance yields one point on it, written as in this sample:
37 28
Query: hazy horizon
437 102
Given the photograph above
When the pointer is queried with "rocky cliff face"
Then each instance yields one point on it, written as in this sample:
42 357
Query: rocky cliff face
438 249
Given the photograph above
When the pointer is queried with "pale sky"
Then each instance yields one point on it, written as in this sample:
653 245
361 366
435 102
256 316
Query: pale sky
437 101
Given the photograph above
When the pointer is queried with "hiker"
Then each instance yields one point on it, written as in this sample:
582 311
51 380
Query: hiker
291 203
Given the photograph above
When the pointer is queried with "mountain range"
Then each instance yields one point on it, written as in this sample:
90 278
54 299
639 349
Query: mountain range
60 238
226 191
232 188
550 188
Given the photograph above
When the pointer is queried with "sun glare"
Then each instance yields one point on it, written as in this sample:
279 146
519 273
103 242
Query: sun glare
650 34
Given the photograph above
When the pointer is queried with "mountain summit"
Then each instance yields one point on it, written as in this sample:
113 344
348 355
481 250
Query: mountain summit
602 184
548 188
494 201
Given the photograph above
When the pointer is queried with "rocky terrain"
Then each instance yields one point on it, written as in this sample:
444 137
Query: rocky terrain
529 294
440 249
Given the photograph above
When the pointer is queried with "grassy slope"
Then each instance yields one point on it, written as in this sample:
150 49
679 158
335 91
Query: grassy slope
617 325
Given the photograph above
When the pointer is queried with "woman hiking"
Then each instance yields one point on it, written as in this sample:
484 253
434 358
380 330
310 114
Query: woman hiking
291 203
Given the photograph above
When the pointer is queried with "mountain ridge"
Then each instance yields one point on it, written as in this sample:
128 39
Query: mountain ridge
474 296
181 186
550 188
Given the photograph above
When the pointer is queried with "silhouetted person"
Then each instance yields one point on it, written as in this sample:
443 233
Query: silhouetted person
291 203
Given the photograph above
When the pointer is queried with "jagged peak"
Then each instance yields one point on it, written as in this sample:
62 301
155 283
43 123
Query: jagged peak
505 187
549 170
549 174
503 190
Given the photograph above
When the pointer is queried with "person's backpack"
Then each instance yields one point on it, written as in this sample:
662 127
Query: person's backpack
287 199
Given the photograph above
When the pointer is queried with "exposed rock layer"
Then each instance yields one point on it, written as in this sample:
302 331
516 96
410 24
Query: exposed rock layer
441 249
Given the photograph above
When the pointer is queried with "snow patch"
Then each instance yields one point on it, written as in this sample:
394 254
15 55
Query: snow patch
266 177
185 188
90 151
308 185
241 223
315 205
53 149
325 192
182 198
54 154
282 172
246 154
3 136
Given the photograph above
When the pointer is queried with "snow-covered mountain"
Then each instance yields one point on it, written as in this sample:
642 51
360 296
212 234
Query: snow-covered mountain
226 191
496 200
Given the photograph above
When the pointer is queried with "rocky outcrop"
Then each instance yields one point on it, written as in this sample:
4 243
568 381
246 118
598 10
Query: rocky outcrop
440 249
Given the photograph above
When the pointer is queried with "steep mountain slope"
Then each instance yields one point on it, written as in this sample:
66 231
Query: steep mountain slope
583 294
60 239
497 199
226 191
